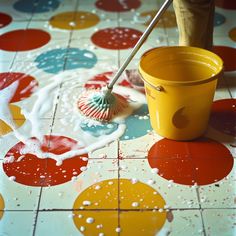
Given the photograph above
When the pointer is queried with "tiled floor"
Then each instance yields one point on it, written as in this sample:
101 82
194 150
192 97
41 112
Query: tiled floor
136 182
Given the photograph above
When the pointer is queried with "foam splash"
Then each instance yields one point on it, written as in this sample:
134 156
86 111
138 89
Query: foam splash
46 98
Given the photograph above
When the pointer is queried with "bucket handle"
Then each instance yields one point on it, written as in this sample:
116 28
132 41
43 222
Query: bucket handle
159 88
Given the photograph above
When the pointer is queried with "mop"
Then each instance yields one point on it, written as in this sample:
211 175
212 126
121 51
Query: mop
103 104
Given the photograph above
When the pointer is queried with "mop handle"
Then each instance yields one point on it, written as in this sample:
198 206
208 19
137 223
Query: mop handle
140 42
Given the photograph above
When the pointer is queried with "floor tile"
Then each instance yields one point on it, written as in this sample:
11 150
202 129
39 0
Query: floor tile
14 220
78 222
93 184
221 194
118 177
186 222
225 219
138 172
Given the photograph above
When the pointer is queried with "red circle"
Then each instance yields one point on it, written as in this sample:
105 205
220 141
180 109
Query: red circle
116 38
203 161
101 80
4 20
226 4
117 5
228 55
35 171
26 84
23 39
223 116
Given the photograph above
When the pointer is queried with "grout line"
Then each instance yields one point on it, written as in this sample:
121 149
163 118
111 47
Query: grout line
118 195
116 209
201 210
37 212
55 110
65 61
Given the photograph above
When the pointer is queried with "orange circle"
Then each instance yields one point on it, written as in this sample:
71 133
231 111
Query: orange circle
2 206
232 34
18 118
116 38
133 203
100 80
26 84
203 161
117 5
5 19
31 170
74 20
168 20
23 40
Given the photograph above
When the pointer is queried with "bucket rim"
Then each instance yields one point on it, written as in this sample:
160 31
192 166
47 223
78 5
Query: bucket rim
182 83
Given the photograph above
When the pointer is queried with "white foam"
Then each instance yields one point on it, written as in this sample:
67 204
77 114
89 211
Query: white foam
45 100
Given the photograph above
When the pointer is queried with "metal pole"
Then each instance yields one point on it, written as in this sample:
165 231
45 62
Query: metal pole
140 42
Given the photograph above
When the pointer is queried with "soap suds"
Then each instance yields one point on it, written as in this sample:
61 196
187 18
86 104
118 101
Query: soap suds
46 99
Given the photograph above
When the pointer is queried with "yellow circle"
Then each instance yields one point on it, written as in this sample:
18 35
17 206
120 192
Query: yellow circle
168 20
98 209
232 34
74 20
18 118
2 206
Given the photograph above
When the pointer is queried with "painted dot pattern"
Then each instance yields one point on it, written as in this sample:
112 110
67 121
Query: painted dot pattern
103 195
26 84
24 40
117 6
41 171
74 20
201 162
57 60
223 116
5 19
116 38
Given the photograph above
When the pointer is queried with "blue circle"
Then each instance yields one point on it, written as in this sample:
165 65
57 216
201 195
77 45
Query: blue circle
219 19
57 60
36 6
137 124
99 130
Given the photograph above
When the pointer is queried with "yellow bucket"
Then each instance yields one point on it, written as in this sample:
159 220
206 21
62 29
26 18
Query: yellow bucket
180 83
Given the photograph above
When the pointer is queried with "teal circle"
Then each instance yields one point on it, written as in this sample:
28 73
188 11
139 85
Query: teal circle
30 6
219 19
137 124
57 60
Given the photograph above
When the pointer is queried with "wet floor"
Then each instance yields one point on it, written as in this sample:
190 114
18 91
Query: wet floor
64 174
